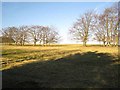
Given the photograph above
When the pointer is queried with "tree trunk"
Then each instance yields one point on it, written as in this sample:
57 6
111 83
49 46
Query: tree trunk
34 43
104 43
84 43
23 43
16 43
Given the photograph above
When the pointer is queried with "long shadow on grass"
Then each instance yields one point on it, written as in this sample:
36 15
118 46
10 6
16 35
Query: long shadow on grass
84 70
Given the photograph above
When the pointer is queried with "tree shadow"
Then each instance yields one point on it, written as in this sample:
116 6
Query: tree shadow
85 70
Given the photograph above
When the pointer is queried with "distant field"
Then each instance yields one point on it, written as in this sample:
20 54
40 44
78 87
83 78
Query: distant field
60 66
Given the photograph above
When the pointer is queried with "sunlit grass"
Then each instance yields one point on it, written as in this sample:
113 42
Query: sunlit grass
52 52
60 66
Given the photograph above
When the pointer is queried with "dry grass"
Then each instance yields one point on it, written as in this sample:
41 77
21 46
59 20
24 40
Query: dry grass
61 66
40 53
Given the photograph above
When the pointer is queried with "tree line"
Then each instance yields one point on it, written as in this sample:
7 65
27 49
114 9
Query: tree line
102 27
30 34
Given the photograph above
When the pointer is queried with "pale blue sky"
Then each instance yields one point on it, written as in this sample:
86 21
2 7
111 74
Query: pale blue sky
60 14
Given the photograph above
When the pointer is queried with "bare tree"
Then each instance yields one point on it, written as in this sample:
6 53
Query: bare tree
49 35
34 33
6 40
106 26
116 20
23 32
45 34
11 32
53 36
81 29
21 35
99 29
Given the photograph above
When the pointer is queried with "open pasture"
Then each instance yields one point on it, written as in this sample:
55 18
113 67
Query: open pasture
60 66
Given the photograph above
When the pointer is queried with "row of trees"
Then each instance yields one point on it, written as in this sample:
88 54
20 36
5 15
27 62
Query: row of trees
104 27
30 34
101 27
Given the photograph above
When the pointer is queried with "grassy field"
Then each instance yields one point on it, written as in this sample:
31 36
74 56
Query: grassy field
60 66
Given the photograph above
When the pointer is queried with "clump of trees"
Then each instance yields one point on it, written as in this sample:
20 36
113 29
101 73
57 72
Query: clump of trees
30 34
104 26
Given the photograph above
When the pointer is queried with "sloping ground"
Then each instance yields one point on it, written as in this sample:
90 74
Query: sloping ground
89 69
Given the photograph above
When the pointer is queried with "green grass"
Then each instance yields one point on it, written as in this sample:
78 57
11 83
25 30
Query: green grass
66 66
